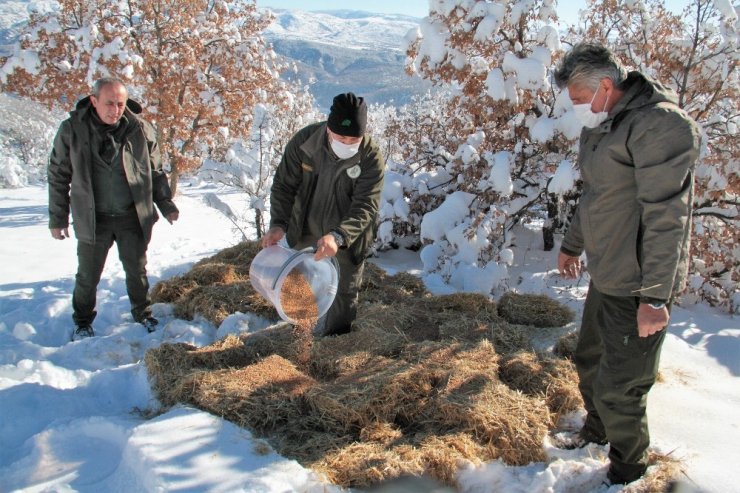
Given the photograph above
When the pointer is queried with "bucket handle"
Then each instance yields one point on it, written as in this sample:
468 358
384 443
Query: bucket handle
297 254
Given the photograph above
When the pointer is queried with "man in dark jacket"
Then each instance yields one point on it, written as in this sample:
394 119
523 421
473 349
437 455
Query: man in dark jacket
637 155
105 165
326 194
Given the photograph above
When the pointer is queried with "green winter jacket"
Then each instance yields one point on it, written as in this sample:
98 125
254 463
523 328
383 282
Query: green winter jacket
71 167
342 195
634 217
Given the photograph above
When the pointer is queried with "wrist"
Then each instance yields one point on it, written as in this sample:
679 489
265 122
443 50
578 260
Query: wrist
654 303
569 252
338 238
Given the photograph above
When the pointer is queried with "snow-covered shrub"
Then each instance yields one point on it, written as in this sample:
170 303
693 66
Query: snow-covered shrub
475 156
250 164
27 132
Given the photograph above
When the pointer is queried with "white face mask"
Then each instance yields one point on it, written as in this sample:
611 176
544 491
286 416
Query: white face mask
344 151
587 117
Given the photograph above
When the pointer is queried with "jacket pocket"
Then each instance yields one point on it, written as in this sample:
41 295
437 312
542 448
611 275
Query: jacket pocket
611 243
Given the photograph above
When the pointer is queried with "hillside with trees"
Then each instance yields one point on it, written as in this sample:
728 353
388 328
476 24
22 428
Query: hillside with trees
492 146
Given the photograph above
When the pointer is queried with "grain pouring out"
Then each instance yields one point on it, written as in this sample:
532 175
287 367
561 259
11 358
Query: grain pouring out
299 304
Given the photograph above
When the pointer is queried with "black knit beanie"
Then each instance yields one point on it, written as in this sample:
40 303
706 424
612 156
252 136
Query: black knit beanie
348 115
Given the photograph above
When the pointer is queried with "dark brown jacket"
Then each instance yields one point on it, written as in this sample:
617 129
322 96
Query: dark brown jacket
634 217
350 197
70 173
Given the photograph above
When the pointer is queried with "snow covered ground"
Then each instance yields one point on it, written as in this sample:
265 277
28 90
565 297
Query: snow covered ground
80 416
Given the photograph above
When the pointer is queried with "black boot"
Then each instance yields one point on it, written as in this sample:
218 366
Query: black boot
83 332
150 323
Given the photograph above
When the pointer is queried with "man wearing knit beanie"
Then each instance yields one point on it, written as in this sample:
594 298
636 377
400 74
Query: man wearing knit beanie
326 194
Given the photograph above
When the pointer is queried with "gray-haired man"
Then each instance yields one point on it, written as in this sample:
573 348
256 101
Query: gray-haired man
105 166
637 154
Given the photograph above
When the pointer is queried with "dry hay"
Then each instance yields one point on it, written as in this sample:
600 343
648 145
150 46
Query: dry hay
473 400
446 454
410 320
216 302
262 396
424 411
534 309
358 464
240 256
542 376
379 287
172 290
215 287
426 416
472 304
662 471
566 345
168 365
421 385
373 277
333 357
213 273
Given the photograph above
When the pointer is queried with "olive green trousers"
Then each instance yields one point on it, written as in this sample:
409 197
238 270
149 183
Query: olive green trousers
617 368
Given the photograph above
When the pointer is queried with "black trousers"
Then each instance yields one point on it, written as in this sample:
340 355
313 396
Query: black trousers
126 232
616 369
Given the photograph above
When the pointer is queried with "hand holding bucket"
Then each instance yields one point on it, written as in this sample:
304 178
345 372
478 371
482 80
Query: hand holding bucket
301 288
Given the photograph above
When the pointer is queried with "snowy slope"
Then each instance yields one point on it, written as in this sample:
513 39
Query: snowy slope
80 416
13 15
343 28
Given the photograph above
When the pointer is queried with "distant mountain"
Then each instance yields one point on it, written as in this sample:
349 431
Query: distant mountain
346 28
345 50
333 51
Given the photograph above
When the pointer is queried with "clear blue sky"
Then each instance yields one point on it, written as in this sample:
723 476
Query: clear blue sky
567 9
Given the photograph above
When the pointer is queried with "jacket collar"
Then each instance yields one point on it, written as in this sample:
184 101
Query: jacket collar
639 91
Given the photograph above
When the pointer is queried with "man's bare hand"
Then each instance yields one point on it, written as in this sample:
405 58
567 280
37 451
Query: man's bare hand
272 237
569 267
651 320
59 233
326 247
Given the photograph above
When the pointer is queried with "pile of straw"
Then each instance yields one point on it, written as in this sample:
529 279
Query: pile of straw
422 384
534 309
216 287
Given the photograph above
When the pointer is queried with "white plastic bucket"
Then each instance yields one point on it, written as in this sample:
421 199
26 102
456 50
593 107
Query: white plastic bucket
271 266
